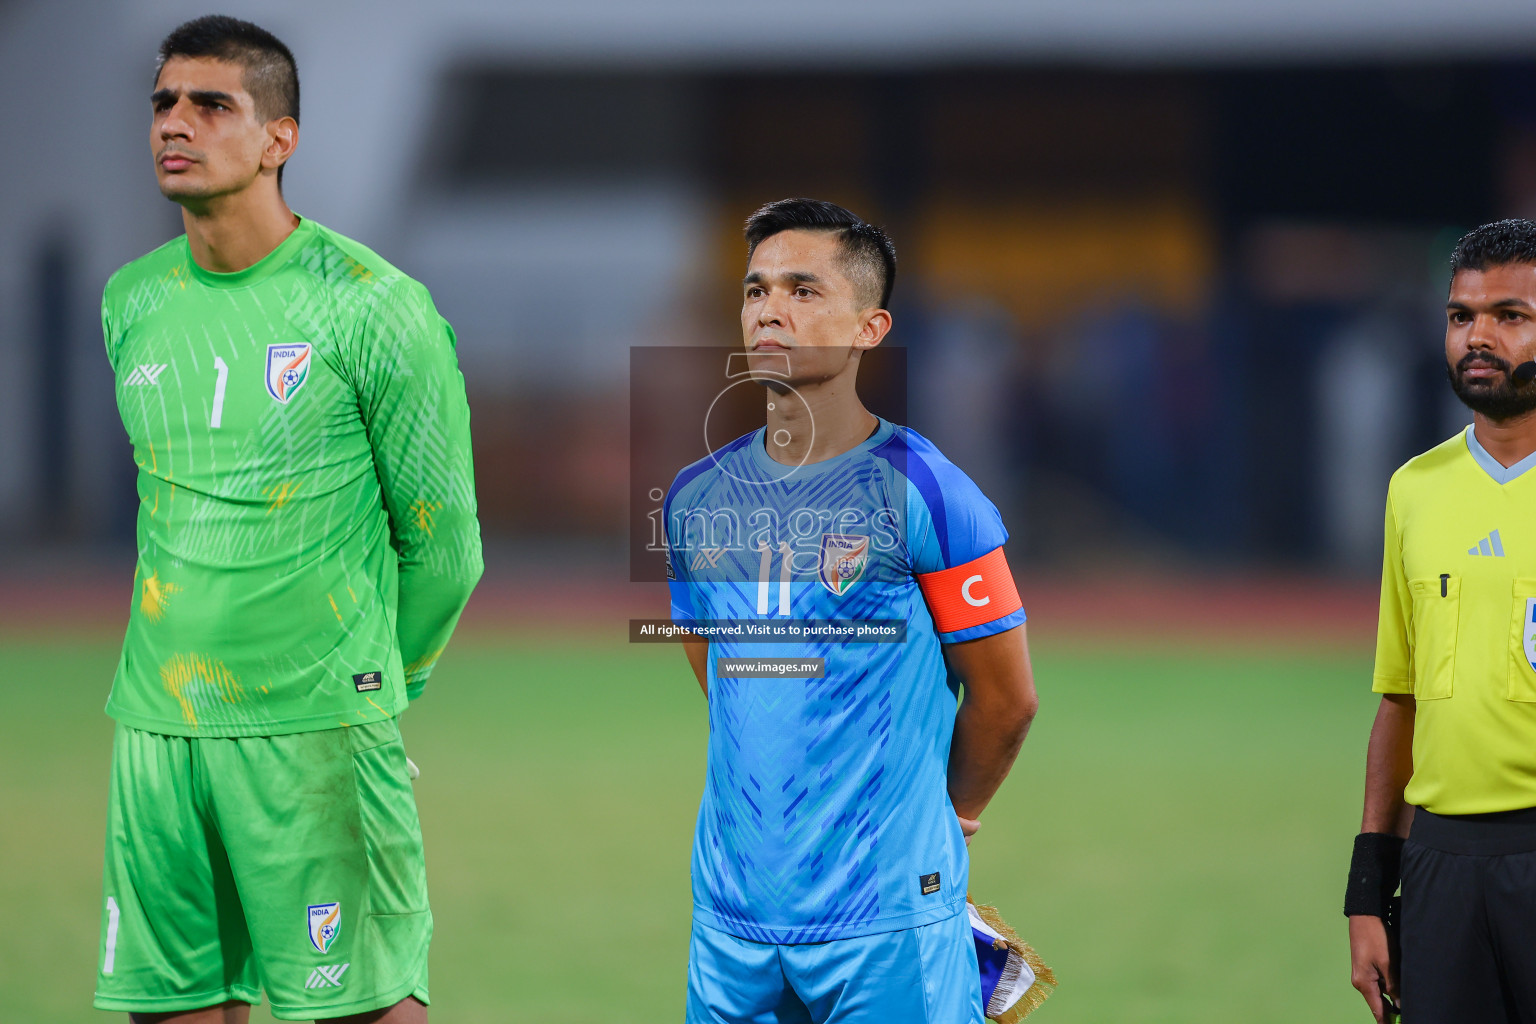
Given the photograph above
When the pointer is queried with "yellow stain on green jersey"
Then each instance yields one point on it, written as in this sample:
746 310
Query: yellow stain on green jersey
422 512
154 463
156 596
279 494
358 271
424 662
188 677
380 422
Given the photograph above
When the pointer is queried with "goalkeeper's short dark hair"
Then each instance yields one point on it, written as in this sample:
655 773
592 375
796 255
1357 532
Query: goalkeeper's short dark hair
268 70
868 254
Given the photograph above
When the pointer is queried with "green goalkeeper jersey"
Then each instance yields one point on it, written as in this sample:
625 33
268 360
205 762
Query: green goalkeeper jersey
306 528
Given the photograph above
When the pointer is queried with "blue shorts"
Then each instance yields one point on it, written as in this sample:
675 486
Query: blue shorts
924 975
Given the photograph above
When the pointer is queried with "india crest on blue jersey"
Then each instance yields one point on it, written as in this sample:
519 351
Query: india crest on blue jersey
843 558
324 924
287 370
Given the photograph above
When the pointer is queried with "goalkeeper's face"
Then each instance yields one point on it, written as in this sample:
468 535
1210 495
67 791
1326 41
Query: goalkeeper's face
207 135
800 306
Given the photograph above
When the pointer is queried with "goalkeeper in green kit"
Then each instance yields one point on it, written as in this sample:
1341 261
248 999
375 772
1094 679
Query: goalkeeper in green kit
306 542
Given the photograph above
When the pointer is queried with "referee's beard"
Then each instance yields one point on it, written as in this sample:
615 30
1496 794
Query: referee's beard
1498 399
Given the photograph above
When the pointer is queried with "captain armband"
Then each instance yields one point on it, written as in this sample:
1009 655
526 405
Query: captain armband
980 591
1374 873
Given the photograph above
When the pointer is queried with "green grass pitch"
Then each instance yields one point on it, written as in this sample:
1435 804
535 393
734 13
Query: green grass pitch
1173 840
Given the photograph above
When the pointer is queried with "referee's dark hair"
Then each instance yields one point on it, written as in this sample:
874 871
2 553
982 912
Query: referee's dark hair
1495 245
869 255
269 72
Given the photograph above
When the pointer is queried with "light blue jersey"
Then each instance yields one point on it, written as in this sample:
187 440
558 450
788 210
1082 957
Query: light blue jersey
825 812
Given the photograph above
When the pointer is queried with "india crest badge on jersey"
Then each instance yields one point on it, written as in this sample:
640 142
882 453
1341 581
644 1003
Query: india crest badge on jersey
843 558
324 924
287 370
1530 631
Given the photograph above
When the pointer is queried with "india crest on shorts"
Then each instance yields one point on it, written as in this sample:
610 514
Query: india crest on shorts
287 370
1529 631
843 558
324 924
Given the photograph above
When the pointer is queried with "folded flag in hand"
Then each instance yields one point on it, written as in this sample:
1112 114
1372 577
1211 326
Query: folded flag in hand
1014 980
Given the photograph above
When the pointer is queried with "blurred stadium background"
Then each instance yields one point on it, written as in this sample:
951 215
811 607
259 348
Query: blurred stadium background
1170 288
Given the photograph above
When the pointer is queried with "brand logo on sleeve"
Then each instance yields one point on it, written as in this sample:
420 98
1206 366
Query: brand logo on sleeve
843 559
145 375
287 370
324 925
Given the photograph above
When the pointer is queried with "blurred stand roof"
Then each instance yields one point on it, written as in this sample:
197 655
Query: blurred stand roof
418 140
850 33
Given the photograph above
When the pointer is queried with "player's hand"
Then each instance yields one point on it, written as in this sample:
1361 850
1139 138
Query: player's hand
968 827
1372 966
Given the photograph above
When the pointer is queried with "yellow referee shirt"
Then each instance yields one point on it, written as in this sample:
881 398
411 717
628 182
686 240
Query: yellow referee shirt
1458 625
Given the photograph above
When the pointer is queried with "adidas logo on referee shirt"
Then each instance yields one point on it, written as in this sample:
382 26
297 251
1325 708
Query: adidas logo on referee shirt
1490 546
145 375
327 976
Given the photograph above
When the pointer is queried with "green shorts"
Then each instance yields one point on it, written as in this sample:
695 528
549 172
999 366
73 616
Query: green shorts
286 863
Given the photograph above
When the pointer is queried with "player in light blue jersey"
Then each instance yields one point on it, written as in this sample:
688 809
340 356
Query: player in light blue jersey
829 863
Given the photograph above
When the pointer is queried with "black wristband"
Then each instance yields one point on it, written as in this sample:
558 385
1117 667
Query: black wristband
1374 871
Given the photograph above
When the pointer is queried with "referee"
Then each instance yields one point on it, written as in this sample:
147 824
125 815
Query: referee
1452 758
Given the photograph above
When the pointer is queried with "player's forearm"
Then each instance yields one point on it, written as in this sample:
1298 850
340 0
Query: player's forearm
987 738
994 715
412 398
429 607
1388 766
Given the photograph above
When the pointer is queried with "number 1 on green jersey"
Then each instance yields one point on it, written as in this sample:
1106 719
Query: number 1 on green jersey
218 392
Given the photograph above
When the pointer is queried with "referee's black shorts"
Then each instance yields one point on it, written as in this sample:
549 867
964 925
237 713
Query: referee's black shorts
1469 919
